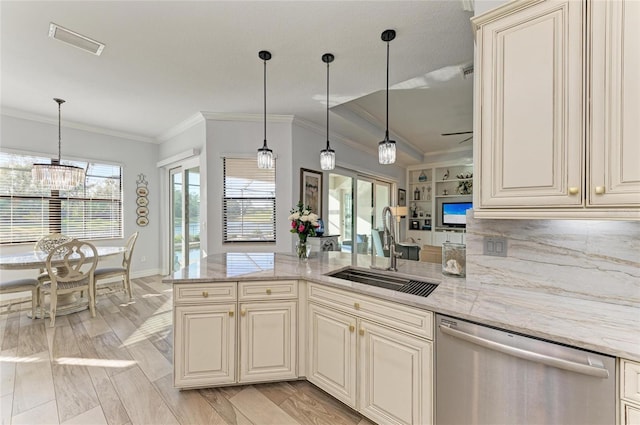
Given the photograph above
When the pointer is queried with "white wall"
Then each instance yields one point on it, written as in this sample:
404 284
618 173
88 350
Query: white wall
22 135
244 138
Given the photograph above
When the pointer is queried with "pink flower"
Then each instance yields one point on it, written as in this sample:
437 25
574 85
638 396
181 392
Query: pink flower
301 228
293 225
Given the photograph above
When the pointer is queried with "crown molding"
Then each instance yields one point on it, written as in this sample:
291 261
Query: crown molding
224 116
320 130
181 127
15 113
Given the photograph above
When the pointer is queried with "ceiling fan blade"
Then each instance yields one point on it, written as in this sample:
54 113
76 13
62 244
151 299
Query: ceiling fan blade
456 134
466 140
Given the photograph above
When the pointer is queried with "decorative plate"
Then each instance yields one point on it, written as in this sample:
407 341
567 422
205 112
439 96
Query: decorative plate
142 191
142 211
142 221
142 201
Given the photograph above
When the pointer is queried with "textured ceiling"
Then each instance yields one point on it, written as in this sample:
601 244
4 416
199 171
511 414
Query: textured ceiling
166 60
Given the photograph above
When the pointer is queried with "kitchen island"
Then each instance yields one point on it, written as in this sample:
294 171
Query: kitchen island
603 327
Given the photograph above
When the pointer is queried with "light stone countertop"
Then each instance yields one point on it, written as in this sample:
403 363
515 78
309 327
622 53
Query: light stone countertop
603 327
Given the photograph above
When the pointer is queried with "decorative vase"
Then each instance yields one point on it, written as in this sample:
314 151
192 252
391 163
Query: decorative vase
303 249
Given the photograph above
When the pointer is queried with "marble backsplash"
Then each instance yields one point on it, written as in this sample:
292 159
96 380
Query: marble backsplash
594 260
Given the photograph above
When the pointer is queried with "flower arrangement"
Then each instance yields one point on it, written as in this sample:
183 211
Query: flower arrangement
304 223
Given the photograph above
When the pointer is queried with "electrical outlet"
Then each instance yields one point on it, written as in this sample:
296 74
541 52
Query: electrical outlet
494 246
143 259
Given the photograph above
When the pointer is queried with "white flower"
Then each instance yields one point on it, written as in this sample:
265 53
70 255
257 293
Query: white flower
313 217
305 218
294 216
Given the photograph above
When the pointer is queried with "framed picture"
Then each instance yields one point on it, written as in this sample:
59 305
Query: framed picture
402 198
311 189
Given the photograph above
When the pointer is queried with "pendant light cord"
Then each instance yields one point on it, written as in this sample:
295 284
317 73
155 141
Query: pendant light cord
265 103
327 105
59 135
386 133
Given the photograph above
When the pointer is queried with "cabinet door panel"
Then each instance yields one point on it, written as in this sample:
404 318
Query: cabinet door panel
529 116
615 89
268 341
395 376
204 345
332 353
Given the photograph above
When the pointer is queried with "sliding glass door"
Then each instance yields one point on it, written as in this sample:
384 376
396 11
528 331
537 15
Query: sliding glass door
185 216
355 220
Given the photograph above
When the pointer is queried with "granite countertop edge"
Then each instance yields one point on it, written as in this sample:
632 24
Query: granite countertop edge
592 325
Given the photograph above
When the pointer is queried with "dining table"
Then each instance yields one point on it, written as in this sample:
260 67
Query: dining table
36 260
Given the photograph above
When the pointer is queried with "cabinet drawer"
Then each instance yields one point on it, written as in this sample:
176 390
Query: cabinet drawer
630 414
398 316
204 293
630 381
267 290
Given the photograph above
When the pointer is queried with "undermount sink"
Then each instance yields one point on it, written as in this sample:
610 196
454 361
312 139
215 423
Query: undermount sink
385 280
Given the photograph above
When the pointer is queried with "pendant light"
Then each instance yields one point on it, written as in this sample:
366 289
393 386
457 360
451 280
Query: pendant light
56 176
387 148
265 155
328 155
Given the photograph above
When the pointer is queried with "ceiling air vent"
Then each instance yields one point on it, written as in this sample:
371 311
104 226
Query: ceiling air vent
73 38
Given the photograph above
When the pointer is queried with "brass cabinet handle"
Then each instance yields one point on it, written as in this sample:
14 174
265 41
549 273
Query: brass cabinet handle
243 313
205 294
268 291
352 328
573 190
599 190
231 314
361 332
356 306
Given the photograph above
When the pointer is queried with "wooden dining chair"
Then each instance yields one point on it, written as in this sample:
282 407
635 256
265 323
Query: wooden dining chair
45 245
70 270
23 285
120 272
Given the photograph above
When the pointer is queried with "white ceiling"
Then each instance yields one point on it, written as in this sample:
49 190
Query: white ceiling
165 61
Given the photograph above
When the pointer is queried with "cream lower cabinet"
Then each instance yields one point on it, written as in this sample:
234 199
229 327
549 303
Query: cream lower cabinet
213 346
629 392
359 351
268 341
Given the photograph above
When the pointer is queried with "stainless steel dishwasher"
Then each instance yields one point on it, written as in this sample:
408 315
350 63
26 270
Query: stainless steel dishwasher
491 376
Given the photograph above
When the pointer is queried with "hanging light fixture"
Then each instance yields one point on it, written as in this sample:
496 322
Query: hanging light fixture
265 155
57 176
387 148
327 155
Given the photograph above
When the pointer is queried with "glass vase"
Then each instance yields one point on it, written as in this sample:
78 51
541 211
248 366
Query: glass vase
303 249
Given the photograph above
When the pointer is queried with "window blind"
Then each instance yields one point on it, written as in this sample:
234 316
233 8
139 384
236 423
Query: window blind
29 211
249 204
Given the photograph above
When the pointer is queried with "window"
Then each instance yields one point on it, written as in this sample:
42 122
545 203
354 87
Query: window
249 206
28 211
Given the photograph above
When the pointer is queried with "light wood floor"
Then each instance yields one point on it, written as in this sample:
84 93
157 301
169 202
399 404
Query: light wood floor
116 369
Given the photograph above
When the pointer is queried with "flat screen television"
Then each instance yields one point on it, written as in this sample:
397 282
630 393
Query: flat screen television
454 214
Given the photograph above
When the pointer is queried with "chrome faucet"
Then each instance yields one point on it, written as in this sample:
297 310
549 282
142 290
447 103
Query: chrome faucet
389 237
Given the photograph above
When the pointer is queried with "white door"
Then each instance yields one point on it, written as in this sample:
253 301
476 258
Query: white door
185 215
332 353
529 125
268 341
204 345
395 376
614 172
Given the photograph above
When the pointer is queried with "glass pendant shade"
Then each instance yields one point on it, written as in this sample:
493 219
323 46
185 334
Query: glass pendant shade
327 158
56 176
387 152
265 155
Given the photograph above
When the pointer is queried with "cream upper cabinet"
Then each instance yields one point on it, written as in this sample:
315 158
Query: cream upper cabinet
556 110
614 161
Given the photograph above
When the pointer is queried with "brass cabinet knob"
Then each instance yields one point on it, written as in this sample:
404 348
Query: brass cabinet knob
231 314
361 331
599 190
243 313
205 294
352 328
356 306
573 190
268 291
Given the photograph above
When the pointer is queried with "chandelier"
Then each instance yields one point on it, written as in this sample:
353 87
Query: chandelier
57 176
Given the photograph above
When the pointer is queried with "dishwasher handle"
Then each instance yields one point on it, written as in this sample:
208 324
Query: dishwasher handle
598 372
